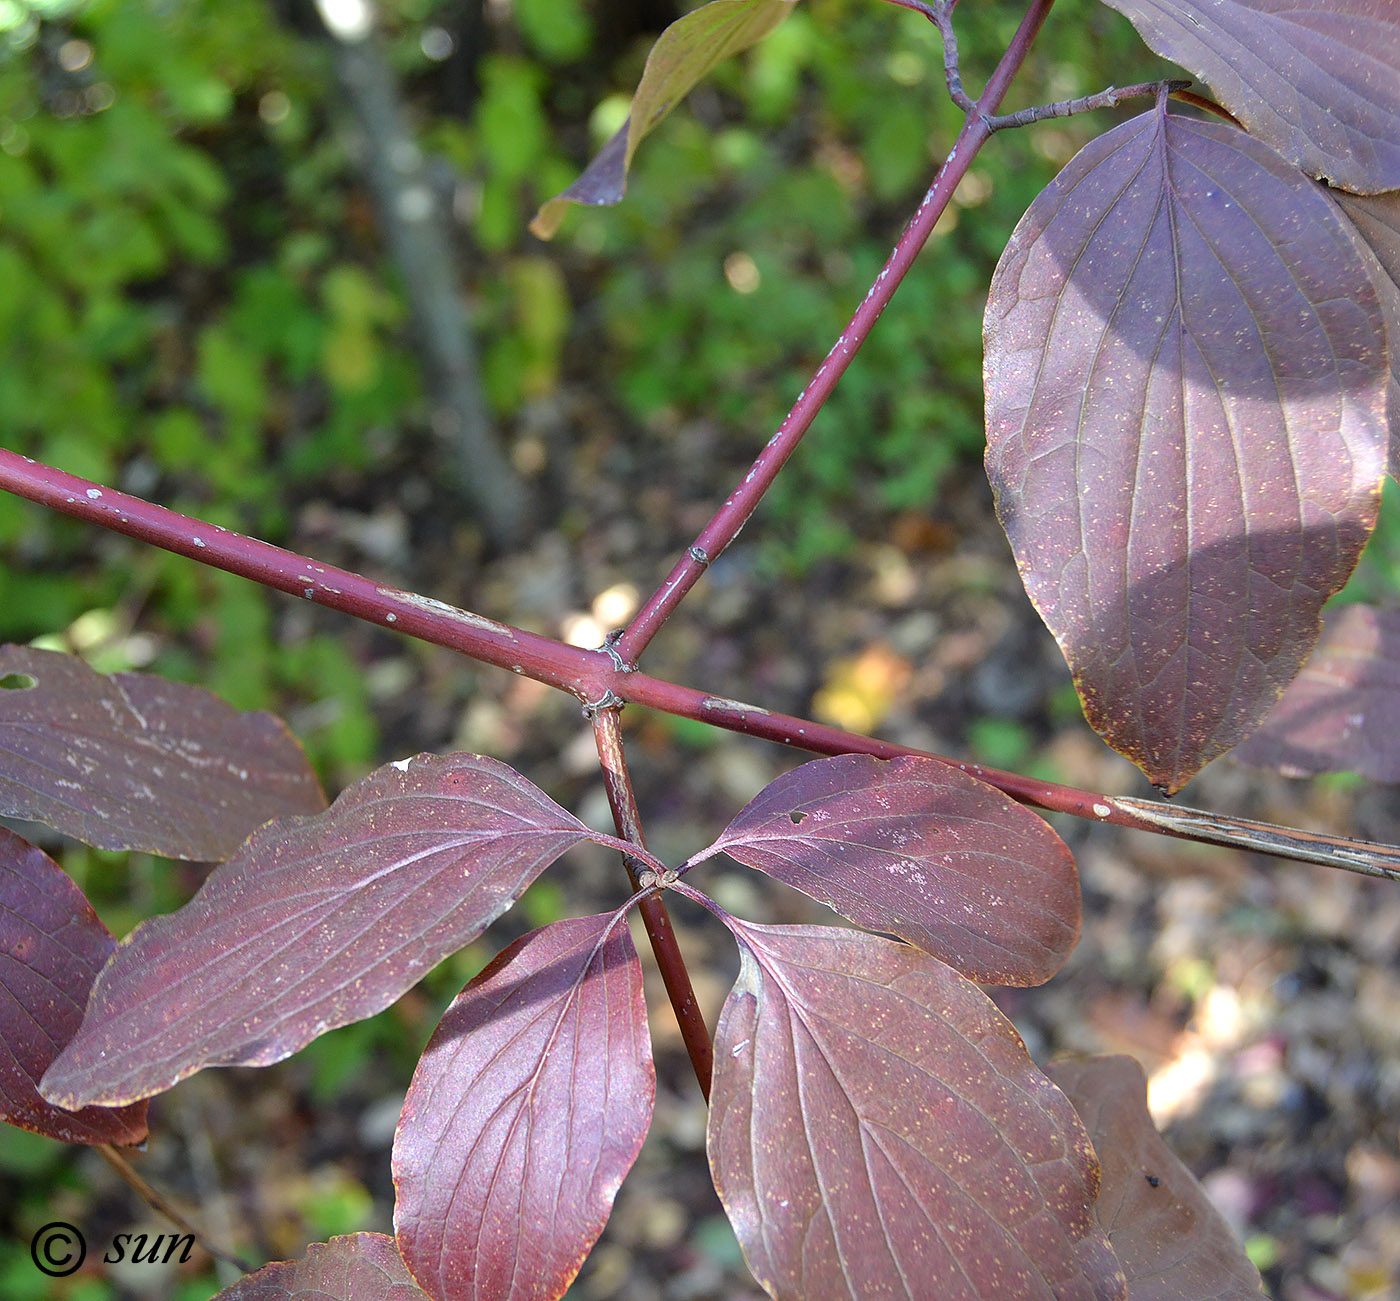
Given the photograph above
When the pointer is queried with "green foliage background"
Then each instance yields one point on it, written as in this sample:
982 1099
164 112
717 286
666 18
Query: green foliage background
194 306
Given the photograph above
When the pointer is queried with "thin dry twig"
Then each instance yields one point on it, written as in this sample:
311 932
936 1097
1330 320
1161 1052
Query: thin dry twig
1084 104
157 1202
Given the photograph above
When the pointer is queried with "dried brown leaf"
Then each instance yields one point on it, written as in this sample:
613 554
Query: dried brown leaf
1173 1244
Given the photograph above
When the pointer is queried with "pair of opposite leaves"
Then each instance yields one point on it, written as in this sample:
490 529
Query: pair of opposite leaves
323 918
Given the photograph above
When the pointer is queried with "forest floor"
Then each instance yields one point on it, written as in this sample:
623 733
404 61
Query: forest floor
1261 997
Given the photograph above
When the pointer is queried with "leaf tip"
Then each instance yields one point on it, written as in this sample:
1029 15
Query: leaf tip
545 223
57 1092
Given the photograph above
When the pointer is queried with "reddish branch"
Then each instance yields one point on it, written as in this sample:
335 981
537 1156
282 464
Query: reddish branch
541 658
592 674
605 679
724 527
607 733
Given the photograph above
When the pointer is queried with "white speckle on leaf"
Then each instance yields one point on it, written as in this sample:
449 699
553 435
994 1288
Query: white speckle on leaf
401 764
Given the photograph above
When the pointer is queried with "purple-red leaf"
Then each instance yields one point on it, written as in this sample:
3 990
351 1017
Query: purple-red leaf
526 1111
1376 220
358 1267
1320 82
315 923
877 1129
1186 417
921 850
1172 1243
686 51
131 761
1342 712
51 946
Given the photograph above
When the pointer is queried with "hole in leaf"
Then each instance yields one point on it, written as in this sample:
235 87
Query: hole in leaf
17 682
796 816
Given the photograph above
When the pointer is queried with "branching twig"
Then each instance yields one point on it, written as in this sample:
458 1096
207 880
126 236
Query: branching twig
1368 858
929 10
607 734
585 673
724 526
952 65
157 1202
202 1165
941 16
1084 104
591 675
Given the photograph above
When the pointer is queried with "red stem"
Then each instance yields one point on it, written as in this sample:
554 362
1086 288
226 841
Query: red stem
1000 80
592 675
607 733
724 526
541 658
